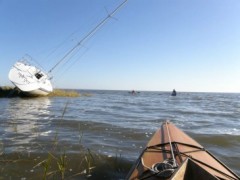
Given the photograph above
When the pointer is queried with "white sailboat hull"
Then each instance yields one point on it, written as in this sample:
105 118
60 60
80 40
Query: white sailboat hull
30 80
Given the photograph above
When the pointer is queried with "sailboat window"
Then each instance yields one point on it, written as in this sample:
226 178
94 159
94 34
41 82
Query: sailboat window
38 75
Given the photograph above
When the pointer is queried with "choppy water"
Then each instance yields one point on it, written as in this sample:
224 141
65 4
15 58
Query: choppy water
105 133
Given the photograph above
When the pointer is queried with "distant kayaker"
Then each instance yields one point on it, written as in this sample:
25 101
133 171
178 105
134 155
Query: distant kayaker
174 93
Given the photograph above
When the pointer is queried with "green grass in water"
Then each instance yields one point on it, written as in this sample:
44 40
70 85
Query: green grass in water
64 93
8 91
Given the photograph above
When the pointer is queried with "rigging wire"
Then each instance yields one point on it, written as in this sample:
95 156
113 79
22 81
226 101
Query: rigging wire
73 62
32 60
51 54
91 22
57 47
88 35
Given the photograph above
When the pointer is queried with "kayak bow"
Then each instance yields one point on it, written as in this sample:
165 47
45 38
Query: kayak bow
171 154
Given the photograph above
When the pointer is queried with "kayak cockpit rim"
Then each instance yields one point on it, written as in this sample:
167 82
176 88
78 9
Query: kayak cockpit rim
157 148
191 170
183 153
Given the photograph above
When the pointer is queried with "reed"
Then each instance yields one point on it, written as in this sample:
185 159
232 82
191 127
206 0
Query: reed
1 148
46 165
89 159
56 163
61 162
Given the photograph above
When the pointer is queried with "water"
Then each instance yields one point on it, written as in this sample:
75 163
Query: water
102 135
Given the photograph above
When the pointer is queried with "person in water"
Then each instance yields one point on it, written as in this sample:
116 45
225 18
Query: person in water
174 93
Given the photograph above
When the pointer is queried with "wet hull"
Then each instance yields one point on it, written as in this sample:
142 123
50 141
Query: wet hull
35 93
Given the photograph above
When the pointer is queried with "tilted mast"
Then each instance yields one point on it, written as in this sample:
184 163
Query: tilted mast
88 35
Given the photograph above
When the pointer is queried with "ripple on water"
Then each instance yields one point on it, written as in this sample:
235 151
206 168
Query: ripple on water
116 124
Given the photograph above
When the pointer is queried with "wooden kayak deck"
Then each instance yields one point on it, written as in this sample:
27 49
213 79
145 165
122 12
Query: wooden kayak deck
191 160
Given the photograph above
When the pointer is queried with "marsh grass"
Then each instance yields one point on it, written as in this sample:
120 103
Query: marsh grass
56 164
8 91
55 161
64 93
46 165
89 162
62 163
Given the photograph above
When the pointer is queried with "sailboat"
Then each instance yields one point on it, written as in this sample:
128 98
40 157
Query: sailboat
29 79
32 80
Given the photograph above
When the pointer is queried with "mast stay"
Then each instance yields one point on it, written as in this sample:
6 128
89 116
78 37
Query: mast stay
88 35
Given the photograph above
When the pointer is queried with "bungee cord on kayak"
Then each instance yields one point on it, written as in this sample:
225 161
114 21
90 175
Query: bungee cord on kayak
171 147
171 154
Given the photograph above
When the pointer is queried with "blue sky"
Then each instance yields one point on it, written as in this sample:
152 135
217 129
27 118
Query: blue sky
189 45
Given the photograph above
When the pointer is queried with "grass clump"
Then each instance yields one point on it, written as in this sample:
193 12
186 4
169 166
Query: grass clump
56 160
9 91
64 93
57 165
6 88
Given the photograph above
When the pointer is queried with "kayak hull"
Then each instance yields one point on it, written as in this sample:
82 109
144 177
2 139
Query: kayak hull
169 142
